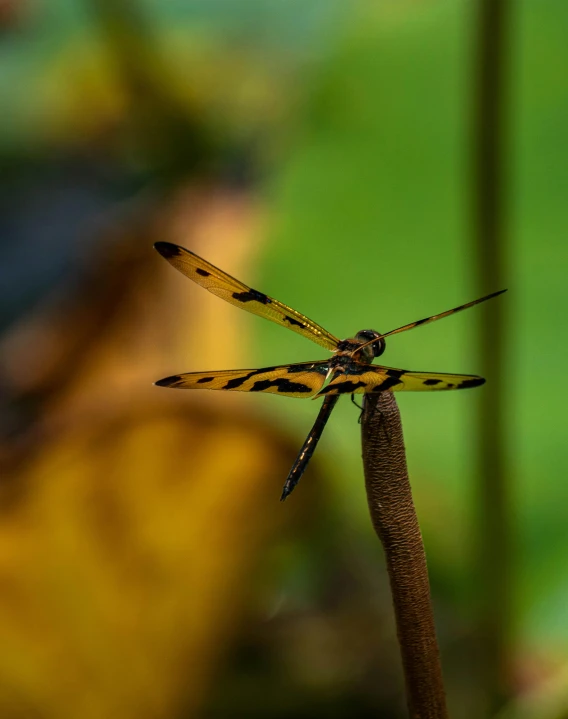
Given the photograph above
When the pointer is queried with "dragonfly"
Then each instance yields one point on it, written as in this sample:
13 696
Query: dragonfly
348 371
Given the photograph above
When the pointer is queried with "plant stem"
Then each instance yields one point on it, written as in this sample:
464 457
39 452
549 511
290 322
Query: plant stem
394 518
493 560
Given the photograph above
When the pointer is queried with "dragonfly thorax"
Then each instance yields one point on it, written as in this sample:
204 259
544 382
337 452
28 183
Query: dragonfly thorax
364 337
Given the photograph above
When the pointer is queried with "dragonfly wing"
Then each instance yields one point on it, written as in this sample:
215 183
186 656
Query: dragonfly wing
371 378
238 294
441 315
293 380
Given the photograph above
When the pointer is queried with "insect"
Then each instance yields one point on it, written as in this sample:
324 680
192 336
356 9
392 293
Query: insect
348 371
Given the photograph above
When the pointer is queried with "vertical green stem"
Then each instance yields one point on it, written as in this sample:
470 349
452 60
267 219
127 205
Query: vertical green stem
493 522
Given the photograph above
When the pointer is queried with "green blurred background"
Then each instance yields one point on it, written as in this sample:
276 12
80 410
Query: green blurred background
347 128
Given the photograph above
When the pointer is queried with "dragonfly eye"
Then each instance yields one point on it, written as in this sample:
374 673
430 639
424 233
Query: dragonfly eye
377 348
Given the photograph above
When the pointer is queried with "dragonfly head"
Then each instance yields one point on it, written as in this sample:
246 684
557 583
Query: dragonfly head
372 349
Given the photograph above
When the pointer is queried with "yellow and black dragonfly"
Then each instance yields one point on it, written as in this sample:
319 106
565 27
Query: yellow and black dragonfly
348 371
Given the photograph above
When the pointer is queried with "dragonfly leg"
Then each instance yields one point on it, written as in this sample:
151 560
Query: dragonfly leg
355 403
361 407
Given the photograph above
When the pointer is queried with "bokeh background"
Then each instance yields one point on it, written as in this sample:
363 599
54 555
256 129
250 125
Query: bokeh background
329 154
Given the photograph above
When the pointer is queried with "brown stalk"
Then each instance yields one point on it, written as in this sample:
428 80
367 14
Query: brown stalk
394 518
